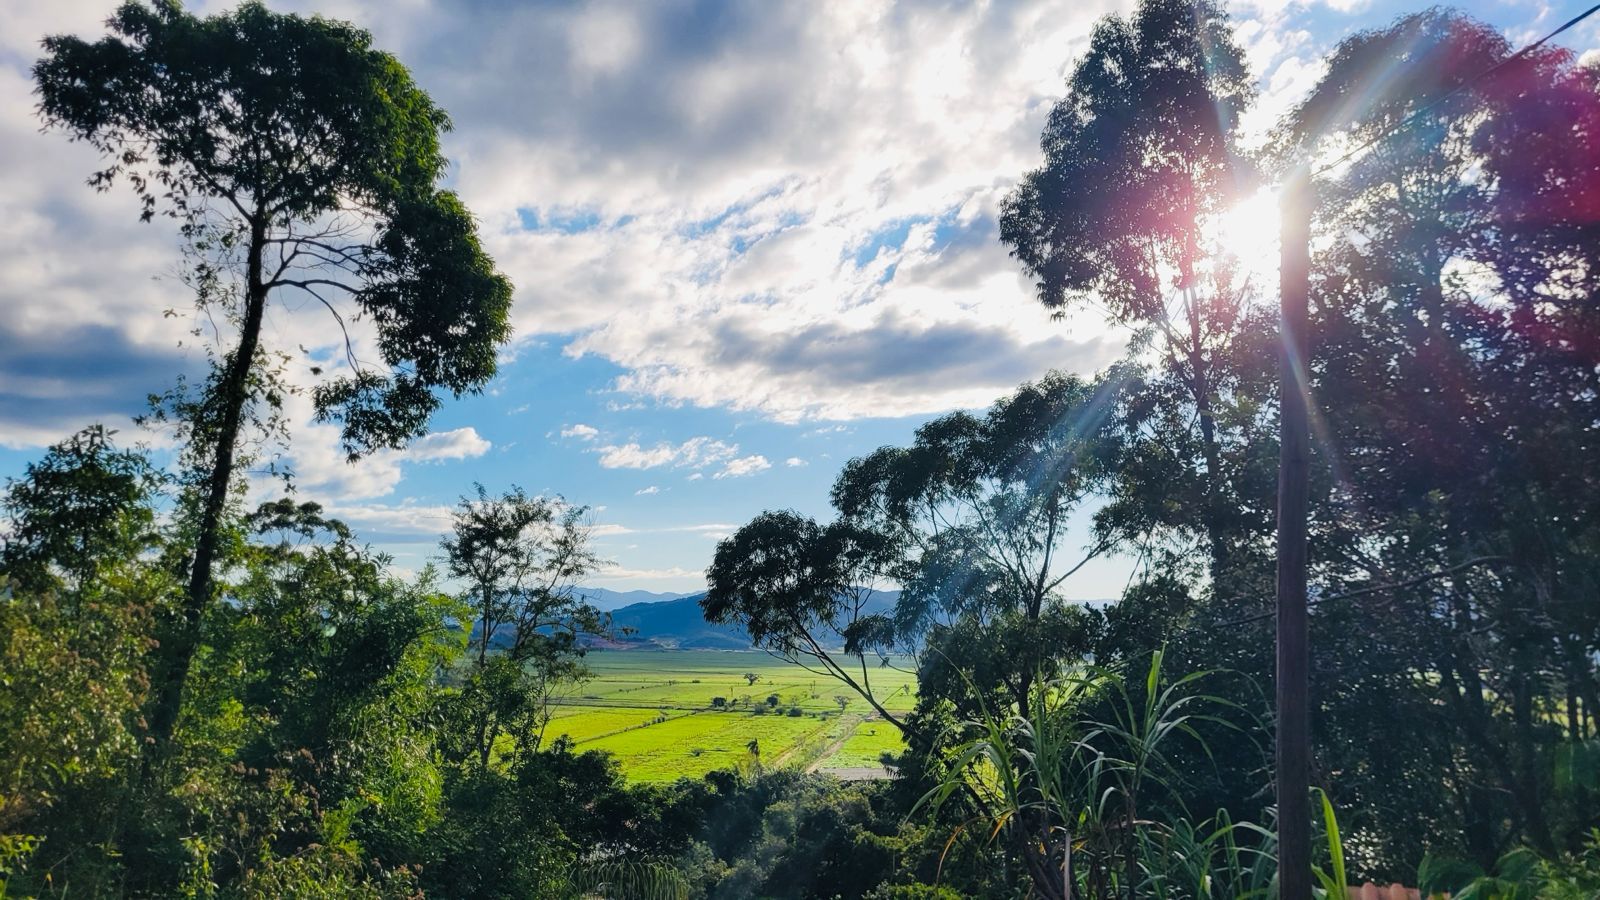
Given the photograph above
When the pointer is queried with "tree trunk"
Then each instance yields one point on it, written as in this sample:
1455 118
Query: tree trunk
1200 384
1477 721
235 388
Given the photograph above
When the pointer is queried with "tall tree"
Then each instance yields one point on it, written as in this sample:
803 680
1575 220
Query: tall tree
302 166
1140 162
1455 361
972 520
521 559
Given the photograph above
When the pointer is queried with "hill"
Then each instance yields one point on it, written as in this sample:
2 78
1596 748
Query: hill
608 600
679 624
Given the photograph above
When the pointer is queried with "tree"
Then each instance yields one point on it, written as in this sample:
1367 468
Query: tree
1456 369
82 508
751 678
972 520
975 518
302 166
1140 162
521 559
77 602
797 588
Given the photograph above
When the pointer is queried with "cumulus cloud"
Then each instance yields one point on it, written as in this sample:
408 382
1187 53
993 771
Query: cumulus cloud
402 523
459 443
744 465
695 453
55 381
623 573
321 469
794 462
663 179
782 208
647 491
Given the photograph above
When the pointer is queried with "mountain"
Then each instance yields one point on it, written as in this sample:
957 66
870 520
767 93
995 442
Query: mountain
676 624
608 600
679 624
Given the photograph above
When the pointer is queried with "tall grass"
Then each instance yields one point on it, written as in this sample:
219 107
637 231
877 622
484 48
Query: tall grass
1067 785
622 880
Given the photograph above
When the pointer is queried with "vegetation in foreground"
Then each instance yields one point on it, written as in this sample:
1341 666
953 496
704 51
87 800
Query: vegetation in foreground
209 700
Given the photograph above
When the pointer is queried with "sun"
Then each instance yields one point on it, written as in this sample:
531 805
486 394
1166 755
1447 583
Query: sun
1248 232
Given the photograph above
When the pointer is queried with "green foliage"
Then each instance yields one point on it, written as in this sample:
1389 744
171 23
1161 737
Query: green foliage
74 684
521 559
86 505
1516 875
630 881
15 851
328 730
1335 883
301 165
1071 784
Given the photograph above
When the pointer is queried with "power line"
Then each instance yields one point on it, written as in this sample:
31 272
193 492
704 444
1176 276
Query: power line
1403 123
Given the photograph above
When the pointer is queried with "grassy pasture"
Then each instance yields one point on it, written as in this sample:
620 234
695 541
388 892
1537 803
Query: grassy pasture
656 712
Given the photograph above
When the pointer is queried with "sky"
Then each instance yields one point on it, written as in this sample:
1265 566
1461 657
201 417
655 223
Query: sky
749 241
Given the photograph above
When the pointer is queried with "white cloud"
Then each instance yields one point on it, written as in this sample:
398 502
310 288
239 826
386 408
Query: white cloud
647 491
697 174
322 472
695 453
459 443
403 523
794 462
623 573
744 465
784 208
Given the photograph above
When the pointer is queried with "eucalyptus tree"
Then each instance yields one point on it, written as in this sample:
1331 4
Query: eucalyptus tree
982 521
1141 159
973 521
521 560
805 593
302 166
1456 367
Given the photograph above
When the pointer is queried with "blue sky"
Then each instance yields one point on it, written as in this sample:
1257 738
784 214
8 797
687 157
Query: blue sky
749 240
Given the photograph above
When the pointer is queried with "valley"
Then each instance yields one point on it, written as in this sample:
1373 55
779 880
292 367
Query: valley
668 714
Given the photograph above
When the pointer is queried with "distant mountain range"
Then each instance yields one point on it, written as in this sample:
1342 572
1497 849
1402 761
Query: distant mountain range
675 624
679 624
666 621
608 600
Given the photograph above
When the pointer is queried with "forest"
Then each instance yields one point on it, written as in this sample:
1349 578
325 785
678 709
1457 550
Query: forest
207 694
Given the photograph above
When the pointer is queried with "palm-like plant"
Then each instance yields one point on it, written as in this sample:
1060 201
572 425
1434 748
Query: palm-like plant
1065 782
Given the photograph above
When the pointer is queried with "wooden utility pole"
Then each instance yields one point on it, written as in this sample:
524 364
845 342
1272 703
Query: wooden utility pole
1294 469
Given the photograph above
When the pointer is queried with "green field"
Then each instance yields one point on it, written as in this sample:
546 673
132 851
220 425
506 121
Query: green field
673 713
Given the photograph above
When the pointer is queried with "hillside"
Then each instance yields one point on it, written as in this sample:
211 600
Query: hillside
679 624
609 600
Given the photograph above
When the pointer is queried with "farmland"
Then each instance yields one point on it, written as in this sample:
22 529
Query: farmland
682 713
